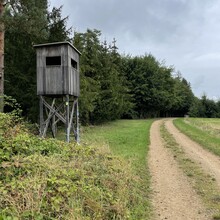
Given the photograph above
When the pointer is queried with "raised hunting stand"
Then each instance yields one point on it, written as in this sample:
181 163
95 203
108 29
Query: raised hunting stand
58 86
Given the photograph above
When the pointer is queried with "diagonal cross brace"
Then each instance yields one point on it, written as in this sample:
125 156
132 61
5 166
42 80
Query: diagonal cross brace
54 112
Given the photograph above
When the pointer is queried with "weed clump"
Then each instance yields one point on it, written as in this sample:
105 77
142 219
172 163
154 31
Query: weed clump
50 179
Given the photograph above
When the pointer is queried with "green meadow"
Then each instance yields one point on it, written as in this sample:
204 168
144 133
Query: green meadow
127 139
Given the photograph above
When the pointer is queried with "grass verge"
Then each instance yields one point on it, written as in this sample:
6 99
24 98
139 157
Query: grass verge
202 137
204 184
128 139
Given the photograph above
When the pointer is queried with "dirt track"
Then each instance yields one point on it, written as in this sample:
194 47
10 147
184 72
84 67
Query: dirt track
208 161
173 196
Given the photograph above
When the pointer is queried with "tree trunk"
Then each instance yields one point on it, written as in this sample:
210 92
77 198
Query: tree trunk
1 57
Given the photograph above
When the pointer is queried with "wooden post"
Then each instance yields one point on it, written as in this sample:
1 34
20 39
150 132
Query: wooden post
1 57
54 127
77 122
41 105
67 118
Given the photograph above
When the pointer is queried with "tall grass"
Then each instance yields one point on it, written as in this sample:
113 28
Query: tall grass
128 139
194 128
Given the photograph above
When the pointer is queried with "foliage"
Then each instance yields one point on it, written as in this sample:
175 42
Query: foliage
11 105
156 93
28 23
205 108
57 26
182 97
104 95
50 179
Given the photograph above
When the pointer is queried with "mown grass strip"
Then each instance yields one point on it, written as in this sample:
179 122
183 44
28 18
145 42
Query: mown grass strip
205 139
128 139
203 183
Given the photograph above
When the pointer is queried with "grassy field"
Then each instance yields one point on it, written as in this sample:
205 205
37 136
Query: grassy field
209 125
204 131
128 139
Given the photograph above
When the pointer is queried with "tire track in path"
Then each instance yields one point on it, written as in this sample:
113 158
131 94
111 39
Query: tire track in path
173 197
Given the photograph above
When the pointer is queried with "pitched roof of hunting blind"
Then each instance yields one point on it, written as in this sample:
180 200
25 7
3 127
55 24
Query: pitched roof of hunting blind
56 44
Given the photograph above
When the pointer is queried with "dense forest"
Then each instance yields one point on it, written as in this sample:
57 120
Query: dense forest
113 86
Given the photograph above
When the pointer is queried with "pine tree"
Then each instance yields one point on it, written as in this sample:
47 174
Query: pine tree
26 24
89 45
57 27
2 5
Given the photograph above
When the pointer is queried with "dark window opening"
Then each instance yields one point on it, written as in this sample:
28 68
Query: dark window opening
53 61
73 63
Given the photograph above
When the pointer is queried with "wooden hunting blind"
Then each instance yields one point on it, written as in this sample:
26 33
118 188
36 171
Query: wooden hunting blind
58 79
57 69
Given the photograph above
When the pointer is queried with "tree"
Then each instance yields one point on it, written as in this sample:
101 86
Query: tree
150 85
27 23
57 26
196 109
183 97
1 56
218 109
104 93
205 108
113 99
89 45
210 107
123 103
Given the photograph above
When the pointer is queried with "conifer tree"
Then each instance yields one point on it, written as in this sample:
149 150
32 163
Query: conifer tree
2 27
28 22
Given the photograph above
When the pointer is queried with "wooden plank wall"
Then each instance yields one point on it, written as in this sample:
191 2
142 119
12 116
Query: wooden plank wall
58 79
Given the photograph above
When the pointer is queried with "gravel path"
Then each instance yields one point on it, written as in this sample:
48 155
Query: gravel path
173 197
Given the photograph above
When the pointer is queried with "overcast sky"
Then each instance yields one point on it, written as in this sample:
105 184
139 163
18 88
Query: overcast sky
184 33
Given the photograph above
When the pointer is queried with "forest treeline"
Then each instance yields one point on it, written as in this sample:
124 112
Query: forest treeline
113 85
